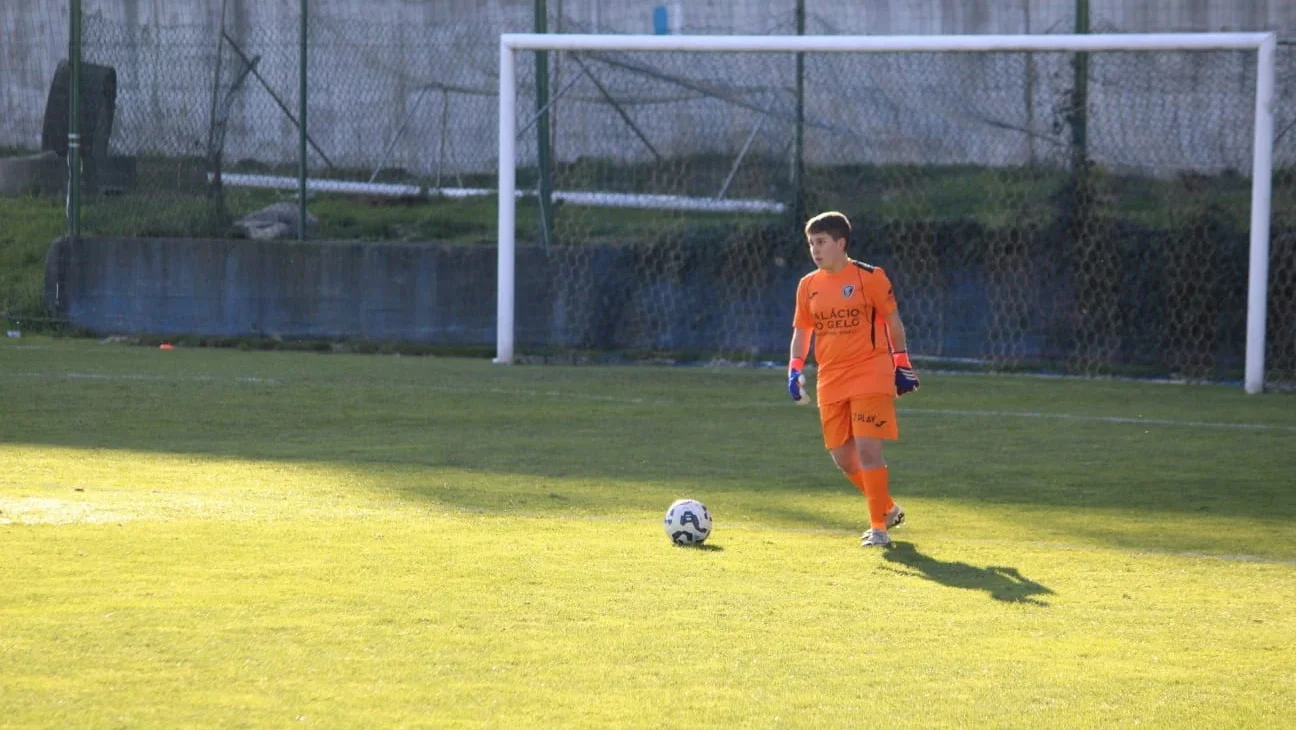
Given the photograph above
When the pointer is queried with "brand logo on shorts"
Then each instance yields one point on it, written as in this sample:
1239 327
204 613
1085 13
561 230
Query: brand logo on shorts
848 290
869 418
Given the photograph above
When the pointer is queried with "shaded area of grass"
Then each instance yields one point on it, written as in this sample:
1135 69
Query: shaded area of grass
1127 483
27 227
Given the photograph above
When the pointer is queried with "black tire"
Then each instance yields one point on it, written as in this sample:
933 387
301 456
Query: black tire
98 109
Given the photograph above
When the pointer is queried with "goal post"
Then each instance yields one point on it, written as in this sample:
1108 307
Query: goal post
1261 198
1262 44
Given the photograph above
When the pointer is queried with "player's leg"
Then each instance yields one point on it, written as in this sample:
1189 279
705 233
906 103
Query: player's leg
834 418
836 421
869 453
876 477
861 460
873 423
846 457
849 459
873 480
859 457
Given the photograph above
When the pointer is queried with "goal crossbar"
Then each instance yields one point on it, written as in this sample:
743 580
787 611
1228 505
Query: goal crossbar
1263 44
888 44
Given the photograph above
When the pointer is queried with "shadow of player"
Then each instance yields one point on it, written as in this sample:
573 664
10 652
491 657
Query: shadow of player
1002 583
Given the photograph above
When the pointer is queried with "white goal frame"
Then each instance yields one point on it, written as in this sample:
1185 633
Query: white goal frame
1263 44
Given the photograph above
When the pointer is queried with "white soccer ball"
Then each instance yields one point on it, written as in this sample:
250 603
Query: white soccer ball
688 522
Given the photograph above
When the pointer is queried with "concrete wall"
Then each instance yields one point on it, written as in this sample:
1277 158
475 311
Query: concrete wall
241 288
601 298
424 75
704 299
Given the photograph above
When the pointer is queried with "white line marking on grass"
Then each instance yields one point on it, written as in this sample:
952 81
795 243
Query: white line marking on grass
139 377
621 400
549 394
906 411
1100 419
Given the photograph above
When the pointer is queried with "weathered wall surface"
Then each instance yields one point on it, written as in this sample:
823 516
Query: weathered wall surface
429 293
413 83
241 287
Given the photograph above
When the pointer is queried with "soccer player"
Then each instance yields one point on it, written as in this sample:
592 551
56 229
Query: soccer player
859 341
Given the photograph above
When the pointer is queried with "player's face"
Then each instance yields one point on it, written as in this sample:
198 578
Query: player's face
827 252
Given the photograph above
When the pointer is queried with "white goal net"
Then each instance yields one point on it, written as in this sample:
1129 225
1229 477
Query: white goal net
1094 204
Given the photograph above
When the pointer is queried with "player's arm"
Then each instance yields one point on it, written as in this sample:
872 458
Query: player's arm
796 362
802 329
906 379
800 345
896 331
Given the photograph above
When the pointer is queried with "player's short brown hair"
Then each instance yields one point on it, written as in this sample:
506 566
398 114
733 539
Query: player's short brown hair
831 222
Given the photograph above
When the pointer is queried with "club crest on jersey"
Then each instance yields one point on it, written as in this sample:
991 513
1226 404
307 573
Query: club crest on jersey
848 290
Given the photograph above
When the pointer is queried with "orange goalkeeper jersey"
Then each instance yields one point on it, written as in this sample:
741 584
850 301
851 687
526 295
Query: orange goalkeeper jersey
847 311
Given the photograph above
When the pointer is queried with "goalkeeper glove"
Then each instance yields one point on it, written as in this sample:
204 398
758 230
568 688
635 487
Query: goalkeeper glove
796 381
906 379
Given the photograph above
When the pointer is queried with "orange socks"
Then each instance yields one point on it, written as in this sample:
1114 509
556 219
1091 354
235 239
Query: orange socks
872 483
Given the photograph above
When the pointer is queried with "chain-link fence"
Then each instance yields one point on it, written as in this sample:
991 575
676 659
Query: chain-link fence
208 119
1007 244
35 41
960 171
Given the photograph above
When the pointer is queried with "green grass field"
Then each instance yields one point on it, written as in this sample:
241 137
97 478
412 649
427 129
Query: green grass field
214 538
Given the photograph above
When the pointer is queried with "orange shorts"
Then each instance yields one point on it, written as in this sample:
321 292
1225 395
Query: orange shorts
864 416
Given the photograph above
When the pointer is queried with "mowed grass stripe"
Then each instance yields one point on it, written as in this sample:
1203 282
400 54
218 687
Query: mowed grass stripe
595 398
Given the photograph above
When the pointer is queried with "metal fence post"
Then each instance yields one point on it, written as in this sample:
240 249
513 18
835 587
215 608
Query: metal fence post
301 137
74 121
798 146
1080 91
543 154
